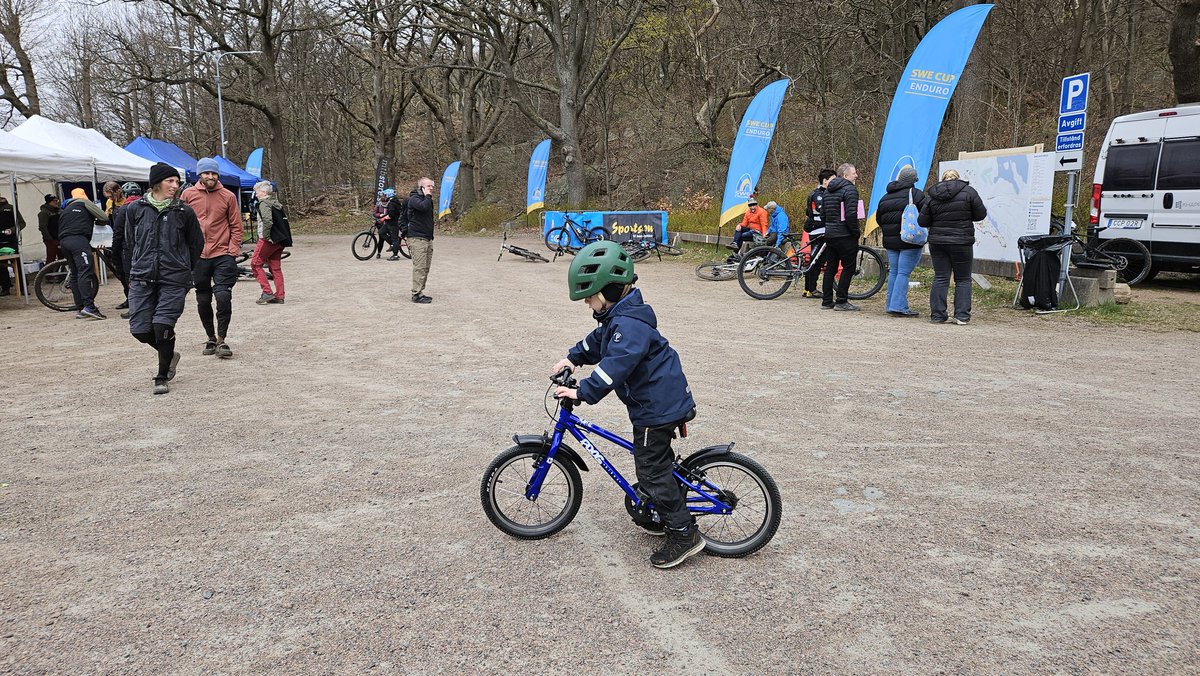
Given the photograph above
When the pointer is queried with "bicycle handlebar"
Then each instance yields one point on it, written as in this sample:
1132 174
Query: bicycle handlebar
563 377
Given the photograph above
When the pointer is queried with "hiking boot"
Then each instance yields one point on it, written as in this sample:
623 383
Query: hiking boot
91 312
651 527
264 299
846 306
161 386
123 306
210 346
171 368
224 351
679 546
422 299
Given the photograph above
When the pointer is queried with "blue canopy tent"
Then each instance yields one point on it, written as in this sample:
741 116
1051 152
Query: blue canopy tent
229 170
163 151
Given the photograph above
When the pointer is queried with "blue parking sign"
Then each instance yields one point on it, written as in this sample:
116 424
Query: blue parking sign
1074 94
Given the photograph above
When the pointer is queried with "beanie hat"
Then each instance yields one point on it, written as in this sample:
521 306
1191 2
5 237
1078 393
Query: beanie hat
907 175
160 172
207 164
50 198
79 194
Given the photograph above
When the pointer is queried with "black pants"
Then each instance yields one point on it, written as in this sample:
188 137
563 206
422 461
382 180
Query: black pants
391 235
743 235
77 249
841 251
956 260
653 460
814 271
5 278
215 277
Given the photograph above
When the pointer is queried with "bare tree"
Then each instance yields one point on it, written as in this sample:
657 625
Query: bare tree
1184 49
18 84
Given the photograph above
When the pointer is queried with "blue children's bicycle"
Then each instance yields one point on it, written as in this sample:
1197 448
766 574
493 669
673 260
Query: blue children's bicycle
533 490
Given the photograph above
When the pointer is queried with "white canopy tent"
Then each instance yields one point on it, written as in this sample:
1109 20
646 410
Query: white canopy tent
24 162
111 162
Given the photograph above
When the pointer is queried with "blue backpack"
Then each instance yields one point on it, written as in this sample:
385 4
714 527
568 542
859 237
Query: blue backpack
910 231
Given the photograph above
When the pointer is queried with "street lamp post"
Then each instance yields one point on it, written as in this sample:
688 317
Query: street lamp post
216 56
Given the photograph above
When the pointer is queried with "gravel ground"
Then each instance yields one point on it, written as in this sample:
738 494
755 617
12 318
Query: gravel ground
956 499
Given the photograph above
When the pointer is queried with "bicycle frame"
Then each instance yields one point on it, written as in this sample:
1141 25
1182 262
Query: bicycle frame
706 503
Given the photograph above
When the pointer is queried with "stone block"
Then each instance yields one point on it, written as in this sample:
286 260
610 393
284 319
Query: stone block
1122 294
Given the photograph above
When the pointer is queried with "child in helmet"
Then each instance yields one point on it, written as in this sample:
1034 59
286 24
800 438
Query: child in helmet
635 360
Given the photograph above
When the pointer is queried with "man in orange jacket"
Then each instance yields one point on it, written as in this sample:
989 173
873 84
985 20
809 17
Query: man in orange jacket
216 272
755 221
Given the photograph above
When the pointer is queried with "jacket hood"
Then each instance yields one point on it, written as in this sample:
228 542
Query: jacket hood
946 190
896 186
837 184
271 200
415 193
631 306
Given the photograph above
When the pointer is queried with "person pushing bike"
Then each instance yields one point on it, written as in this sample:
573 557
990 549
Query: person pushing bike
636 361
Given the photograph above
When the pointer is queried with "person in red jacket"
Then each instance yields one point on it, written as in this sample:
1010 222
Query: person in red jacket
754 221
216 272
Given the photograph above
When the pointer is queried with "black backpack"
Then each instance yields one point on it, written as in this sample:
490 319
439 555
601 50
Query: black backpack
281 230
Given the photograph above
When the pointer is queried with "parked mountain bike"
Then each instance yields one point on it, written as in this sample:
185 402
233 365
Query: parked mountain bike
564 238
519 250
369 243
1129 257
533 490
725 269
778 267
52 285
641 249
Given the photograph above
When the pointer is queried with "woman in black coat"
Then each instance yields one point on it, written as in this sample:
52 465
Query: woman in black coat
950 214
902 256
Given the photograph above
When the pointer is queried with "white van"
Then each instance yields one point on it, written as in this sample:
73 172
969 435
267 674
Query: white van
1147 185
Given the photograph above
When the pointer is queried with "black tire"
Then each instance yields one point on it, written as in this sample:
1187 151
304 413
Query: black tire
870 273
52 285
285 254
766 273
716 271
755 517
243 256
364 246
638 252
514 467
557 239
405 249
670 250
1129 257
598 235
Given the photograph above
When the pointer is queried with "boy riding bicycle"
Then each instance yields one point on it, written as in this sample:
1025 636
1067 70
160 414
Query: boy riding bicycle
634 359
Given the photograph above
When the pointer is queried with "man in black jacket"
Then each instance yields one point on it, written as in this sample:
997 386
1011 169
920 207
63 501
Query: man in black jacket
79 215
420 236
839 212
163 242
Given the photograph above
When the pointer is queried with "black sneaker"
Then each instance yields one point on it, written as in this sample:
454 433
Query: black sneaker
161 386
210 346
224 351
125 314
422 299
824 306
91 312
123 306
678 547
845 306
171 368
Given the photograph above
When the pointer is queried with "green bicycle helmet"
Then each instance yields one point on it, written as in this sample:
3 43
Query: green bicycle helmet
596 266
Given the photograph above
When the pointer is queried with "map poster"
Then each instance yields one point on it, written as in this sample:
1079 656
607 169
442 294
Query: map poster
1017 191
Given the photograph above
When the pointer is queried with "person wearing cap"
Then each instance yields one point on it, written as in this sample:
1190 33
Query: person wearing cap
902 256
163 243
48 225
79 216
10 238
755 221
215 274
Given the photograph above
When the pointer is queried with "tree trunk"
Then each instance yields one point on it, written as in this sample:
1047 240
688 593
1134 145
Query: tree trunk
464 185
1184 49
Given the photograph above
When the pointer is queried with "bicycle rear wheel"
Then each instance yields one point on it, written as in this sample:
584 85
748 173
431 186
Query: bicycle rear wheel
365 245
405 250
53 286
505 481
1129 257
767 273
716 271
870 273
757 506
670 249
598 235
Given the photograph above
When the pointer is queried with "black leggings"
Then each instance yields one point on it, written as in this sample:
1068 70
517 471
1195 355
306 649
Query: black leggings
162 340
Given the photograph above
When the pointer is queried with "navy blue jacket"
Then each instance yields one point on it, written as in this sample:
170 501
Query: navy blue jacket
634 359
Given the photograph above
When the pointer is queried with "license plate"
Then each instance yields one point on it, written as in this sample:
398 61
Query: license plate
1125 223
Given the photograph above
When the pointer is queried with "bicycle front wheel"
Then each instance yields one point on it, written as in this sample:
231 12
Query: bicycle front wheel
766 273
505 481
870 272
364 246
735 480
557 238
670 249
53 286
1129 257
716 271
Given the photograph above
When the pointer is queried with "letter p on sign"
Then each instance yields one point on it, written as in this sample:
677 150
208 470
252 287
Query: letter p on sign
1074 94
